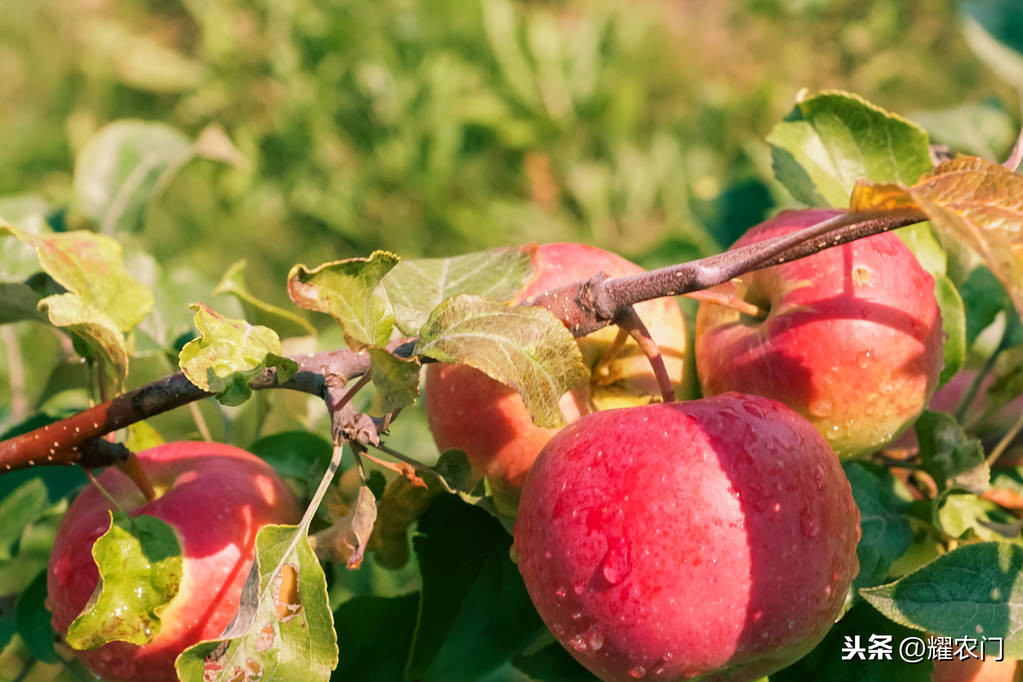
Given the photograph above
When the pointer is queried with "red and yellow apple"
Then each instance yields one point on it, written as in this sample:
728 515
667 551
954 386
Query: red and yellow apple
215 497
469 411
713 539
976 670
852 338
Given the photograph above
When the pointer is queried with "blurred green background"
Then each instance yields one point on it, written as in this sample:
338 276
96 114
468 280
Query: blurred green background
445 126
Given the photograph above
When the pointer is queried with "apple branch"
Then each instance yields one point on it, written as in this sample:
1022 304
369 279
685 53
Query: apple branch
583 306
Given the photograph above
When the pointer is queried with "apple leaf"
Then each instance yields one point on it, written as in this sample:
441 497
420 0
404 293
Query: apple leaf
983 297
416 287
122 168
886 532
345 540
474 613
831 139
92 326
229 354
288 634
973 591
351 292
377 633
32 619
524 347
396 380
953 459
953 325
955 513
553 662
993 29
982 128
968 200
18 302
20 507
830 660
139 562
284 322
398 508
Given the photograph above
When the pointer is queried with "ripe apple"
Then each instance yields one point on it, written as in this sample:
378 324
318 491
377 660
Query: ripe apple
852 339
469 411
713 539
975 670
215 497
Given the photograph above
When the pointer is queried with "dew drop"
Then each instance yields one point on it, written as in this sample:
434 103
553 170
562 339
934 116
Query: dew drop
577 616
594 638
821 408
615 566
577 643
637 673
808 524
579 588
560 593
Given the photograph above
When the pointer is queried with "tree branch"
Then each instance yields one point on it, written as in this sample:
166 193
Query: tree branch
583 306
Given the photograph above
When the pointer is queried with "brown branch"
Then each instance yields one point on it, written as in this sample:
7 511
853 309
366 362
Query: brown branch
583 306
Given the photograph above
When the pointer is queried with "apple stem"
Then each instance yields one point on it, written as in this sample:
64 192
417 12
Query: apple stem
729 301
133 470
630 321
103 491
610 353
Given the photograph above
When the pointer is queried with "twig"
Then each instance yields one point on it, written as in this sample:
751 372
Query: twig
729 301
1006 440
630 321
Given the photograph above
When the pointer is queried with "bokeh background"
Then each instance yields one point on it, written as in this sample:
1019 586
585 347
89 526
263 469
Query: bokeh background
444 126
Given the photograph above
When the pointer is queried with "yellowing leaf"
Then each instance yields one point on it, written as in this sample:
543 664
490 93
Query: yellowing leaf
139 561
351 292
229 354
972 201
524 347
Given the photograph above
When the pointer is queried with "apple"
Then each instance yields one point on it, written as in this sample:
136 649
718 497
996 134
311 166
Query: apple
852 339
469 411
713 539
975 670
215 497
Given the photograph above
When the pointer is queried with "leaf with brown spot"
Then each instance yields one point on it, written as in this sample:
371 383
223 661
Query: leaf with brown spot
345 541
288 599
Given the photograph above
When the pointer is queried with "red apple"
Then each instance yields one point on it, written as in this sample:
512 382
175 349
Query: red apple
215 497
852 339
975 670
713 539
469 411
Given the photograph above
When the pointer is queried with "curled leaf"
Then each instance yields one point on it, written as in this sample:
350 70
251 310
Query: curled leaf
345 541
229 354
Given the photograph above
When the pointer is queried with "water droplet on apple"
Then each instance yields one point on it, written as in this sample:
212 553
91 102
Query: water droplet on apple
638 672
820 408
577 643
558 629
577 616
615 565
560 593
547 555
808 523
579 588
594 638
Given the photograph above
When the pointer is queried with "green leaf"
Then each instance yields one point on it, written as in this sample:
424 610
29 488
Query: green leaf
983 297
18 302
92 326
832 139
351 292
122 168
993 29
229 354
524 347
376 633
284 322
474 614
294 454
32 619
416 287
553 662
956 513
953 324
951 457
139 562
973 591
22 506
983 128
289 632
886 532
396 380
826 662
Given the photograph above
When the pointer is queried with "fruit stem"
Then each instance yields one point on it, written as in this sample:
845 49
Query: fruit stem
610 353
729 301
630 321
133 470
1005 441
